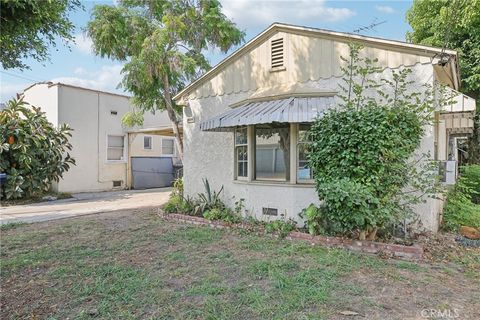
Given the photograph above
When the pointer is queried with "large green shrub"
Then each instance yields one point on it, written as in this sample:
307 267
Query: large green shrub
33 153
463 206
362 151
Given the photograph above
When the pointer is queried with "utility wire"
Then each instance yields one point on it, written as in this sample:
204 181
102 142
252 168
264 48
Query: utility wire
20 76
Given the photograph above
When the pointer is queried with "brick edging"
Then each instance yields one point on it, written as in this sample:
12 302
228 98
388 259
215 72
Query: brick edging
414 252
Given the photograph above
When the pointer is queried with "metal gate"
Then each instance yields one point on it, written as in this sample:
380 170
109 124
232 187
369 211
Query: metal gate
152 172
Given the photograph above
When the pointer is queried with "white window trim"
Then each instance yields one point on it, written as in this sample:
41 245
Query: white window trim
167 154
125 146
151 143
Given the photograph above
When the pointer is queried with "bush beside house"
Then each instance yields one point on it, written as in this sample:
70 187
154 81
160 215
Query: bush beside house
33 153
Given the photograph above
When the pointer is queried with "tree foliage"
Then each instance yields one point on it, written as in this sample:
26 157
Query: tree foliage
29 27
455 25
362 151
162 44
33 153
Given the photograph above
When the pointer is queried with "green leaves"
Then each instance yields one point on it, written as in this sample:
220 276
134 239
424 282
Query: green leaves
33 153
361 152
162 44
29 27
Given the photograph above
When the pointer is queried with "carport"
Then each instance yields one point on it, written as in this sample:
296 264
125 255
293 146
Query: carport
151 172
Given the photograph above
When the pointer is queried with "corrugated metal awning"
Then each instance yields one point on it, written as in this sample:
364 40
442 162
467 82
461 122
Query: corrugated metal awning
293 109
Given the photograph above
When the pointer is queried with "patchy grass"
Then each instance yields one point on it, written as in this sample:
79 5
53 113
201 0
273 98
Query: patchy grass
35 199
133 265
11 225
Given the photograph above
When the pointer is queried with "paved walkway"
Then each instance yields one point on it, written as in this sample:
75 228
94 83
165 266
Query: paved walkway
84 203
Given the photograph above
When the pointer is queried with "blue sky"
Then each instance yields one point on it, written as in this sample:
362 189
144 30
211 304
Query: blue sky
79 66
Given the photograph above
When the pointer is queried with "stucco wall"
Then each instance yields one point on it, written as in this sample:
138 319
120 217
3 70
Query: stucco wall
211 155
92 117
45 97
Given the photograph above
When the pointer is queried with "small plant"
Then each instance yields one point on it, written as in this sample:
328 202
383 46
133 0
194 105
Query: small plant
224 214
281 227
178 187
461 209
173 204
314 219
209 199
239 206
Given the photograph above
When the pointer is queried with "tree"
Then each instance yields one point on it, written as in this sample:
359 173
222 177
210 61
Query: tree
162 44
454 24
33 153
29 27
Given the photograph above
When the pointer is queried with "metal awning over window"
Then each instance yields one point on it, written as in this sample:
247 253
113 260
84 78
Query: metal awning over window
293 109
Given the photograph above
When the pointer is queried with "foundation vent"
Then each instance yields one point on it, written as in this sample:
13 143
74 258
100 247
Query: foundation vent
277 54
270 211
117 183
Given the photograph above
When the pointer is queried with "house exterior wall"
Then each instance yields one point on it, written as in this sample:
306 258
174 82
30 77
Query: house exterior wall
91 116
313 65
46 98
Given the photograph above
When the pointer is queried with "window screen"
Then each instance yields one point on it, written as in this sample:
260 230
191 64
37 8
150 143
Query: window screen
115 147
168 146
147 143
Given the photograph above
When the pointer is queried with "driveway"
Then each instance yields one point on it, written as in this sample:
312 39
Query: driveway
84 203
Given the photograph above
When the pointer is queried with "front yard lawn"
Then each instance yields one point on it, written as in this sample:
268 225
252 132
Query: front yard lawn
133 265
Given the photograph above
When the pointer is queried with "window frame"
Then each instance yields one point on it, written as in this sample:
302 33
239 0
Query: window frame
150 148
236 146
124 147
274 153
297 166
294 130
173 148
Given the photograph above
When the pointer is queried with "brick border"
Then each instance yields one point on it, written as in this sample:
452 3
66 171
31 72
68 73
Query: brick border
414 252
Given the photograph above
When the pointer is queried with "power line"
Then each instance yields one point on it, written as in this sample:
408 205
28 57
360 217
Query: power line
20 76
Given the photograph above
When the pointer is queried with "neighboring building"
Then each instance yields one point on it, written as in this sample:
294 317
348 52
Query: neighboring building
260 100
102 147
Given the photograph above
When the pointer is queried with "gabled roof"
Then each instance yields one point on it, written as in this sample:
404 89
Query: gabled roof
279 27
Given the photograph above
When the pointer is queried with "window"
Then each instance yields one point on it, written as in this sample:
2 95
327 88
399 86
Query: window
241 152
304 172
272 152
147 143
115 148
168 147
277 53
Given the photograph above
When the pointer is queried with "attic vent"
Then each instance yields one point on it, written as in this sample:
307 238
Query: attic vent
270 211
277 53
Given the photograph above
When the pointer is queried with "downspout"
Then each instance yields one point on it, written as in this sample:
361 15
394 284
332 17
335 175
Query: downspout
98 140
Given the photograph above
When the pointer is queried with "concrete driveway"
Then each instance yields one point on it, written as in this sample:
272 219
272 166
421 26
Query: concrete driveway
84 203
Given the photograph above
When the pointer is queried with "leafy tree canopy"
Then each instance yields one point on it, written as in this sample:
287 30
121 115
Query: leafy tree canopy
29 27
162 43
456 25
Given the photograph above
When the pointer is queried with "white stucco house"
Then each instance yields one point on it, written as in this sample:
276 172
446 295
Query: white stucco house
102 147
244 119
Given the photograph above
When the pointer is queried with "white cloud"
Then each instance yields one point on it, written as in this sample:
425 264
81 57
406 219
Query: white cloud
385 9
83 43
253 13
9 91
107 78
